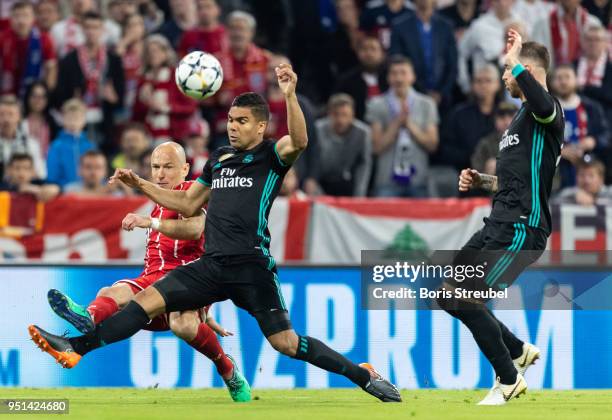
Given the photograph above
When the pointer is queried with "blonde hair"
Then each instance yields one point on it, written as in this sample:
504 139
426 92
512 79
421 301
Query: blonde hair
74 105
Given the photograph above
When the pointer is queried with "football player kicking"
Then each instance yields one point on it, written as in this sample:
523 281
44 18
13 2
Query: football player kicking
516 231
173 241
239 183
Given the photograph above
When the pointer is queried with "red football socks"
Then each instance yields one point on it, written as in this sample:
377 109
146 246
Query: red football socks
207 343
101 308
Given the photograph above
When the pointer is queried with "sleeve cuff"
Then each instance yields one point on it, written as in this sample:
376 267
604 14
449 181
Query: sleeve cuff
201 181
518 69
280 161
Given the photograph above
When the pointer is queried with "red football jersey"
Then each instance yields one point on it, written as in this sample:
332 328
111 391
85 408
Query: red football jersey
163 253
173 122
213 41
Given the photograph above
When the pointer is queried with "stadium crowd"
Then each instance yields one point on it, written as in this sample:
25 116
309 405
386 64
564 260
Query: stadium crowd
398 96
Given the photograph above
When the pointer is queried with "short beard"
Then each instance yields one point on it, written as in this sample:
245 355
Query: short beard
515 92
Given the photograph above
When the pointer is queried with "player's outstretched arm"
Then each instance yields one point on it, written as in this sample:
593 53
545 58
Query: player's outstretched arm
188 203
190 228
540 100
289 147
471 178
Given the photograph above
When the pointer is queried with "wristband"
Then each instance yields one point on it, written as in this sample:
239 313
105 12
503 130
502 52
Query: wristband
518 69
155 222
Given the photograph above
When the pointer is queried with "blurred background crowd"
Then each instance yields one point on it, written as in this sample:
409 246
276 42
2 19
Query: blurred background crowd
399 96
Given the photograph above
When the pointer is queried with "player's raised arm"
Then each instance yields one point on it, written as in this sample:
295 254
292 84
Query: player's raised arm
190 228
187 202
531 79
289 147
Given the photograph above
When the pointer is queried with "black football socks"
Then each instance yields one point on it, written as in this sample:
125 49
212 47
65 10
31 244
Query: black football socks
318 354
121 325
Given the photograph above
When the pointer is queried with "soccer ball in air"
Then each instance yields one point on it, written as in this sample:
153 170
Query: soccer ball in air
199 75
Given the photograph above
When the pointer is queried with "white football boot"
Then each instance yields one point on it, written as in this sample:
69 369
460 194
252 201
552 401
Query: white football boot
500 394
530 354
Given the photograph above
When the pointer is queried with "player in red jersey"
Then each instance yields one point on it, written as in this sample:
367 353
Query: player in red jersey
172 241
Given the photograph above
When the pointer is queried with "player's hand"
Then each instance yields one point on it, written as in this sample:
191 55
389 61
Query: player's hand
514 44
287 79
132 221
127 176
468 178
216 327
224 333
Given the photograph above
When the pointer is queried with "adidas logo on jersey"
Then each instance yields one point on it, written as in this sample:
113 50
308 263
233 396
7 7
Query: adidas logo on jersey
508 140
228 180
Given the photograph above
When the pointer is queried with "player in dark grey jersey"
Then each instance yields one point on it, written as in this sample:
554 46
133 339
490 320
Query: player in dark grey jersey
516 232
239 183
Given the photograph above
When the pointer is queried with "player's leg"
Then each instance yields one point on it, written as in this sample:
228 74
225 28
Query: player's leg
181 289
108 301
123 324
254 286
190 326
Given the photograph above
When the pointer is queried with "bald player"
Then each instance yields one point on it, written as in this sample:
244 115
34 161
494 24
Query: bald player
172 241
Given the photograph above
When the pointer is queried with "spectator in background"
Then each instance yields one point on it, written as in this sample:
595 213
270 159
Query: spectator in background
66 150
428 41
145 165
470 121
601 9
594 70
368 79
244 71
561 30
209 35
484 41
26 53
37 121
47 14
120 10
461 14
182 19
94 74
130 49
14 139
93 171
345 39
590 189
484 159
197 148
21 177
133 143
377 17
307 165
290 187
532 11
404 133
586 129
68 33
159 104
345 148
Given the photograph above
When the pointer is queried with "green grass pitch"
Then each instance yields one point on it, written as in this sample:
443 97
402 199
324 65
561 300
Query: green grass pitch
344 404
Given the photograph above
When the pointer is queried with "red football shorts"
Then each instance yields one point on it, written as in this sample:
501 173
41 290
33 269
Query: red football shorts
160 322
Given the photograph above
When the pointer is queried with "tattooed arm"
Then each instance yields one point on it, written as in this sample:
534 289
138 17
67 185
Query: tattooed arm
471 178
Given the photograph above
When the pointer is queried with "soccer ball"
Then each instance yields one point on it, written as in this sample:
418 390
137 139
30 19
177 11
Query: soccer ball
199 75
